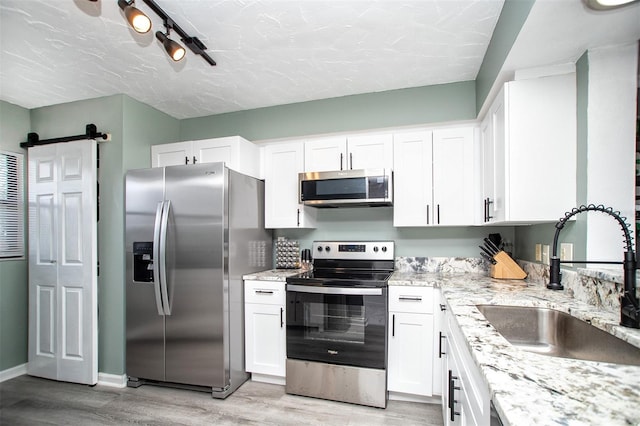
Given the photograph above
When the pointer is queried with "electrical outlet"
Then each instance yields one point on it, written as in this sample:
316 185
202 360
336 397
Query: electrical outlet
545 254
538 252
566 252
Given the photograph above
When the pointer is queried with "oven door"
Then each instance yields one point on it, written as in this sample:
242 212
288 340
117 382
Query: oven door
337 325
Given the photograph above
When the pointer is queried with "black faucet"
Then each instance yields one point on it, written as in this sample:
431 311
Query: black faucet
629 304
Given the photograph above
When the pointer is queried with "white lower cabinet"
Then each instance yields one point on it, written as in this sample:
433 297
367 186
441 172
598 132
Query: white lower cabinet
410 351
265 330
465 396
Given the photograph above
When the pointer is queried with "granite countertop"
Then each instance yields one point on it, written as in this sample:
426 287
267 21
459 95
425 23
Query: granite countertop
528 388
532 389
272 275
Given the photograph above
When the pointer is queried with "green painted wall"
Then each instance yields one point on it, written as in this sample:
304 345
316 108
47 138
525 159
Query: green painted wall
377 223
575 231
14 293
430 104
133 127
512 17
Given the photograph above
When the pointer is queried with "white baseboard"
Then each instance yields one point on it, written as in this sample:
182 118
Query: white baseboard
112 380
13 372
267 378
399 396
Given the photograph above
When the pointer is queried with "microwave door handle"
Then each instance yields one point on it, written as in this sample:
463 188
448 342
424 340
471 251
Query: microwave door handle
163 257
156 257
350 291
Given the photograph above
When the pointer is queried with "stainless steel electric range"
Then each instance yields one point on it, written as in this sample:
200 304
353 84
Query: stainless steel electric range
337 323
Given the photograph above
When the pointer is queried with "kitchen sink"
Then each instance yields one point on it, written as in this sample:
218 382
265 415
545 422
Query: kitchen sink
554 333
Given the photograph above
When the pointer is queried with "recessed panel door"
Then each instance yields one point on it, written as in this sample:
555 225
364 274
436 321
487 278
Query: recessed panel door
63 262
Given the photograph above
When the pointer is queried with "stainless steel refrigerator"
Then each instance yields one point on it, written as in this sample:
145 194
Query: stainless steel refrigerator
191 233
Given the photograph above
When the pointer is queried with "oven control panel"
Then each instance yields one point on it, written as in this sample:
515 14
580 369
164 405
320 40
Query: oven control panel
356 250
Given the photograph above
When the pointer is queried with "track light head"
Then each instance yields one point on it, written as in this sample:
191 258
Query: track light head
173 48
138 20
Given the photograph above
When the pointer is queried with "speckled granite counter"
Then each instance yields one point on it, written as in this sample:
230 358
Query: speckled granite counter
272 275
532 389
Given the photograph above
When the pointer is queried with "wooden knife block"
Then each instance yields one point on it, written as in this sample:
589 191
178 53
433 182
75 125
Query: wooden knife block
506 268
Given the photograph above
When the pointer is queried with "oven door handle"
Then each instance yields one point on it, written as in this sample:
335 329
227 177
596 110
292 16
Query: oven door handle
335 290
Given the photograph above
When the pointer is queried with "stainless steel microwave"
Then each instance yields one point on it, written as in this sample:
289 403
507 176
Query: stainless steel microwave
346 188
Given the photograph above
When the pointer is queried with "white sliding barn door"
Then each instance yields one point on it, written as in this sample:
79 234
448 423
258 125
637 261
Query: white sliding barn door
63 262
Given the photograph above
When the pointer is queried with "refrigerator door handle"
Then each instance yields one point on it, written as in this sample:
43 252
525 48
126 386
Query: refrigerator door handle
163 257
156 257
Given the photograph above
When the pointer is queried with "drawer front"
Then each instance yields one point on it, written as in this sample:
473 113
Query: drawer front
265 292
411 299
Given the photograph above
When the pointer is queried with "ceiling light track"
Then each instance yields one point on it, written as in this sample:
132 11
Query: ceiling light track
193 43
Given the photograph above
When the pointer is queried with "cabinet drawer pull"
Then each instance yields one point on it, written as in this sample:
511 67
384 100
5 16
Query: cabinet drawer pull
264 291
411 298
452 387
281 317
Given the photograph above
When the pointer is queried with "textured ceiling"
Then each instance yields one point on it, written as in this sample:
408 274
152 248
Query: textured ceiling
268 52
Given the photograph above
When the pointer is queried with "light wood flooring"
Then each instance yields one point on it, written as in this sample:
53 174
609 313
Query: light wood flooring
28 400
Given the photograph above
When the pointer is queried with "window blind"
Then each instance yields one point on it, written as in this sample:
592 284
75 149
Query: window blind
11 205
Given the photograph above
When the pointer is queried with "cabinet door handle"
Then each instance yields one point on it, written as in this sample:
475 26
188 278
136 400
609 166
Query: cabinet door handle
411 298
393 325
351 161
440 353
443 307
186 160
488 216
438 213
427 214
194 160
484 210
298 217
264 291
341 157
281 317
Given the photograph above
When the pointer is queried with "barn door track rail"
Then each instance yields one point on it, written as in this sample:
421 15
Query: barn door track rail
91 132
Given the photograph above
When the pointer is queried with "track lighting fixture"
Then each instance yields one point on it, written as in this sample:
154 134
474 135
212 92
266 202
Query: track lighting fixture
138 20
173 48
142 24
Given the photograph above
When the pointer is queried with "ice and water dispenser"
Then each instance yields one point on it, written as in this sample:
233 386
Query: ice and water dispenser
143 261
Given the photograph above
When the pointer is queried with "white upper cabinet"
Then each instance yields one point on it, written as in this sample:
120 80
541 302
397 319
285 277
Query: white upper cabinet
374 151
325 154
453 176
529 151
283 162
434 174
413 183
171 154
370 151
237 153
